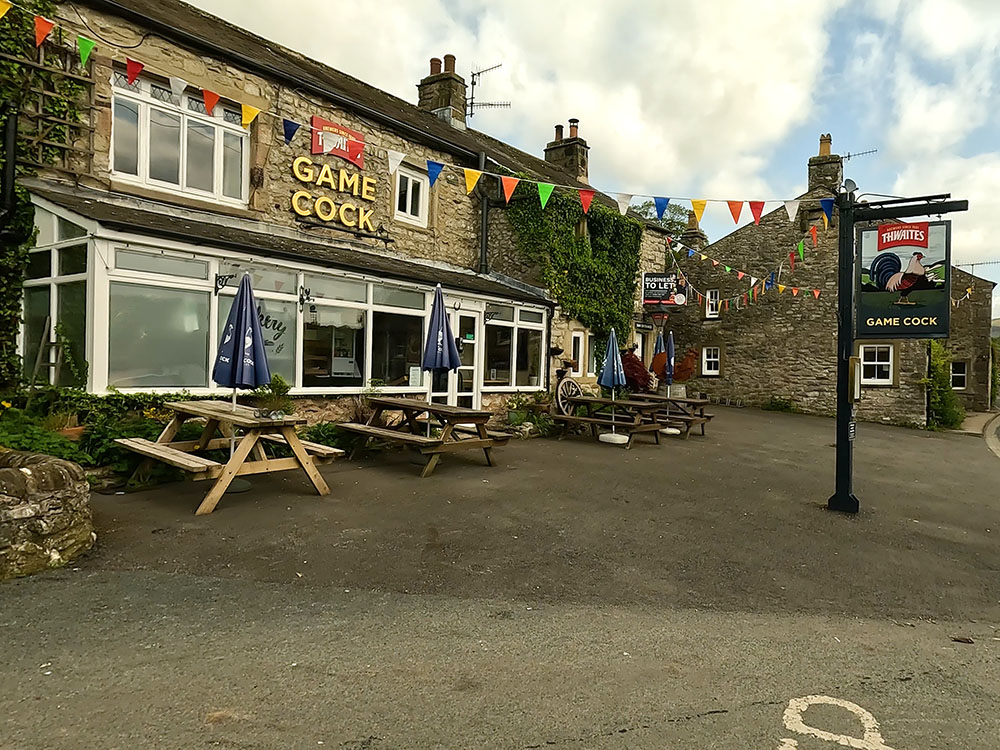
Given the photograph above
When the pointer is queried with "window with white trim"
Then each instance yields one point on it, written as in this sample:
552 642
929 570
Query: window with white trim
170 142
877 364
711 361
712 303
576 353
513 348
595 359
412 189
959 375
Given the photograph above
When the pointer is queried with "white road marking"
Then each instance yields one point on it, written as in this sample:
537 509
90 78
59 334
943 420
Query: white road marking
871 739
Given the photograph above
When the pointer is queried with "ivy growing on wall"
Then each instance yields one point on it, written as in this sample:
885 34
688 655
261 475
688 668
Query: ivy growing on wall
945 411
592 274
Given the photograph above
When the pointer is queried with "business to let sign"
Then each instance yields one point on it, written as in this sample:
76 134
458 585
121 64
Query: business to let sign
664 289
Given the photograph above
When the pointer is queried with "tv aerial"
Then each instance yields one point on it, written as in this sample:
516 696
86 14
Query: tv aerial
848 156
472 105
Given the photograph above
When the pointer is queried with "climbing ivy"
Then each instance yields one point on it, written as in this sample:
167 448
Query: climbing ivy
592 274
945 409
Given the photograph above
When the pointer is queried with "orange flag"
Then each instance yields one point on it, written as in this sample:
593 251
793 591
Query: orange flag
715 262
795 291
812 231
816 293
699 208
735 208
211 99
740 275
586 196
43 27
509 183
756 208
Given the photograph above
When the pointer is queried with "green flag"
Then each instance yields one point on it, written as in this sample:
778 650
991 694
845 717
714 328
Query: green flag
728 269
544 191
802 250
86 46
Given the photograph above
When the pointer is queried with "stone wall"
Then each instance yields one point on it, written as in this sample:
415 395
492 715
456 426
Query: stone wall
971 313
45 518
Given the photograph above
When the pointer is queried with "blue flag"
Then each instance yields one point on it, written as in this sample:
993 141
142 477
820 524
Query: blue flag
827 204
661 206
433 170
291 128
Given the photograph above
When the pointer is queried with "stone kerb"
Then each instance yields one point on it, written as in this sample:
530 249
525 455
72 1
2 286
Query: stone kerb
45 517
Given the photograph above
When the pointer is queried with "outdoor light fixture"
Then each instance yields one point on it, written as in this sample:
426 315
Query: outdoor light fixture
305 295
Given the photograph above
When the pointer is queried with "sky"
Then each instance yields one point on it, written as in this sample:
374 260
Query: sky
703 98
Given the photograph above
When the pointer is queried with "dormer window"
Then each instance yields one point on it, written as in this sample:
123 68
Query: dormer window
171 143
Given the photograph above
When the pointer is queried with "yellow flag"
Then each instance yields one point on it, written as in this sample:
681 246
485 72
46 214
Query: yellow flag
249 114
704 257
471 178
781 288
699 208
826 222
4 7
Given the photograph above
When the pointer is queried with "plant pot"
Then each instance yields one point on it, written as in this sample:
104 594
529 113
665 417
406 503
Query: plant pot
539 408
72 433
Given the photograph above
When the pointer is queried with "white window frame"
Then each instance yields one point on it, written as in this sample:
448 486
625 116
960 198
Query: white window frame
141 96
518 325
706 359
591 372
414 176
863 350
577 371
712 303
964 375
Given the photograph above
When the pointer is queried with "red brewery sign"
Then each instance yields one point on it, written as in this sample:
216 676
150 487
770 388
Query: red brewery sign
902 235
330 138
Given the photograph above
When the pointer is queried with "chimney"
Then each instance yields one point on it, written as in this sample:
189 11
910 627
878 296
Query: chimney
569 153
693 235
826 170
442 92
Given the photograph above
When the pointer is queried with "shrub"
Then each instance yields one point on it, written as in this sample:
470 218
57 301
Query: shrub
945 411
21 433
329 433
779 403
274 396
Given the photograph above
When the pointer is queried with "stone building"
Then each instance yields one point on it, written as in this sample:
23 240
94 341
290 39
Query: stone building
784 347
181 187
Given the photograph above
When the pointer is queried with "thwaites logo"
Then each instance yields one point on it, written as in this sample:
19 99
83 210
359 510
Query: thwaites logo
902 235
330 138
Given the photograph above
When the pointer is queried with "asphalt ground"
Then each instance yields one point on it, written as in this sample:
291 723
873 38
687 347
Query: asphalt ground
574 596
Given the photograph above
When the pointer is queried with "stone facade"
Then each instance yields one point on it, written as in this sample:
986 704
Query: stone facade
45 518
972 307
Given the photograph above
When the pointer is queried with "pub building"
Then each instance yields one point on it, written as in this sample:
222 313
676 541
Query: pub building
145 232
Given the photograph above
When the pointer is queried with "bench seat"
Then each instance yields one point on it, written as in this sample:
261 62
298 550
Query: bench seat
387 434
318 450
168 455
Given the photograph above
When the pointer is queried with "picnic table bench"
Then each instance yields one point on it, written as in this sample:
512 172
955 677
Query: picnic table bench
676 410
630 416
444 429
224 418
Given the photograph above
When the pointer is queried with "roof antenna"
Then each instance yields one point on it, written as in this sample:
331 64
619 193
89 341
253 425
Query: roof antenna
848 156
472 105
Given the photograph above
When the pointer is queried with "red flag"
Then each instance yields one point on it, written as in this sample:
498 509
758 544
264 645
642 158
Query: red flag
791 260
132 70
735 208
795 291
715 262
699 298
356 152
812 231
816 293
509 183
740 274
586 196
756 208
211 99
756 292
43 27
727 305
745 300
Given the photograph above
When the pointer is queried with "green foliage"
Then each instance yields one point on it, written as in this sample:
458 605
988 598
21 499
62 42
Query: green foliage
674 219
779 403
20 432
274 396
329 433
945 411
88 407
591 274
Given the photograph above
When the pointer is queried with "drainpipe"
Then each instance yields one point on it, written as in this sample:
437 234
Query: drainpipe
10 159
484 219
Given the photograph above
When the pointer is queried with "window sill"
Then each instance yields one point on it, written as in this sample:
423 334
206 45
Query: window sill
410 222
118 185
877 385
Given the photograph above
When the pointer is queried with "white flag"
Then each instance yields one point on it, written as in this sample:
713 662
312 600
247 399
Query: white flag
753 281
177 86
792 208
395 159
624 199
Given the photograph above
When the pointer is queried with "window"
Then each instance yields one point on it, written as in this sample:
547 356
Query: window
640 345
397 348
513 351
576 353
712 303
394 296
277 324
959 375
711 361
171 142
333 347
876 364
529 357
499 342
36 311
411 196
170 265
595 359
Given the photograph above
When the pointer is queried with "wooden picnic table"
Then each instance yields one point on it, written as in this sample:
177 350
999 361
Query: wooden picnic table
456 428
686 412
630 416
221 417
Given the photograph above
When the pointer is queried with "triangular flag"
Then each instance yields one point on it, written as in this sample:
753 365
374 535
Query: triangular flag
826 222
178 86
544 191
433 171
704 257
791 208
509 183
356 152
728 269
291 128
781 288
84 45
43 27
727 305
211 99
700 298
746 300
795 291
756 208
4 7
132 70
756 293
699 208
586 196
249 114
812 231
735 208
690 253
816 293
740 275
395 159
827 205
753 281
623 199
802 250
791 259
471 178
715 262
661 206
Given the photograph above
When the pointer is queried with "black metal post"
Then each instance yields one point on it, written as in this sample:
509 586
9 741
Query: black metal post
843 499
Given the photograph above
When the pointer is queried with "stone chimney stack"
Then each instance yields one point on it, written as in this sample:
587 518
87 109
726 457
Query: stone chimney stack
442 92
569 153
693 236
827 169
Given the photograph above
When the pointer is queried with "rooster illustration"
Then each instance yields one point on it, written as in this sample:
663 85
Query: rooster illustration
887 274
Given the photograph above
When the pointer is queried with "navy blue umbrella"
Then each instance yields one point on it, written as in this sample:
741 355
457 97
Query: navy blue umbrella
658 346
670 358
241 361
440 350
612 376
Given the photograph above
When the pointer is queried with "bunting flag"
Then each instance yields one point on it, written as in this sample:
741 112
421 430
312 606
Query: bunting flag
781 288
291 128
791 208
586 196
705 257
395 159
544 191
699 208
249 114
471 178
827 205
509 183
756 293
714 261
4 7
433 171
727 305
178 86
211 99
746 300
769 284
623 199
735 208
132 70
690 252
355 152
753 281
43 27
791 260
826 222
84 46
661 206
728 269
700 298
756 209
795 291
802 250
740 275
816 293
812 231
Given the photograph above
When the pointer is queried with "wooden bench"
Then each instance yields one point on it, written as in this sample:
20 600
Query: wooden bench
623 423
322 453
687 421
166 454
495 435
389 434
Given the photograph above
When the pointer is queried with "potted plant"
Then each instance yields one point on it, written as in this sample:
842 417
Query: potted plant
541 402
272 399
517 409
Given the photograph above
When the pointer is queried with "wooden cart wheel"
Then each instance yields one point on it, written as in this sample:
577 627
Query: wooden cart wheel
567 388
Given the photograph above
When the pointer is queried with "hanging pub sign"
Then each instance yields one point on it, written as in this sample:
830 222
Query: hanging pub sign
663 289
904 281
330 138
